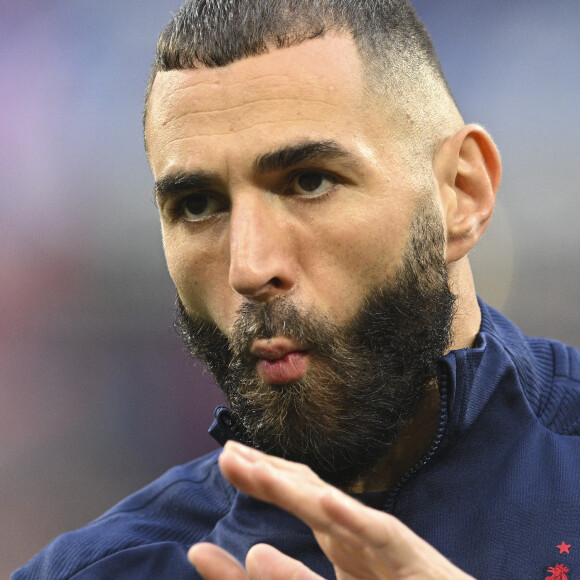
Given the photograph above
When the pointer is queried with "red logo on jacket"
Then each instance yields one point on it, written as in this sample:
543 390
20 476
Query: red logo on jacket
558 572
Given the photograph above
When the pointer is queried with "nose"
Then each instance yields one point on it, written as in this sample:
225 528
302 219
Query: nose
262 260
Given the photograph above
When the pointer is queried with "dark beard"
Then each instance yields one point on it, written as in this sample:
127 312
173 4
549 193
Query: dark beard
365 379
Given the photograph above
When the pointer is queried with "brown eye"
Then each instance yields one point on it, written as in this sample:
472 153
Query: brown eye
198 207
312 183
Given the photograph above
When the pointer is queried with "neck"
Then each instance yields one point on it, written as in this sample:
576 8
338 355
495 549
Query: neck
467 319
411 446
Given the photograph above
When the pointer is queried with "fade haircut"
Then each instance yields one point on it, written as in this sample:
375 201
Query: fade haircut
395 48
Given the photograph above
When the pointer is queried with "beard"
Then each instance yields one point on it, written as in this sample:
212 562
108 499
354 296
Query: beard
366 379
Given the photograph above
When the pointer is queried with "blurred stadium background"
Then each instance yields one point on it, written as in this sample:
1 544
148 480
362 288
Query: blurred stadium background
96 395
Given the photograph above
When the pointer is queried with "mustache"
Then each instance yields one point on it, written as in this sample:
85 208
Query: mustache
277 317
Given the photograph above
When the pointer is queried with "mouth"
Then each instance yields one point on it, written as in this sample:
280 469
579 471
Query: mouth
280 360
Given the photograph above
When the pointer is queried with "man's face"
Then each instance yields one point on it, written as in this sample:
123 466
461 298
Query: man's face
279 183
275 177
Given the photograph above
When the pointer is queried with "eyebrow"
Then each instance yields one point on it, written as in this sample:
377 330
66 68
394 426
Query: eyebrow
304 152
277 160
176 183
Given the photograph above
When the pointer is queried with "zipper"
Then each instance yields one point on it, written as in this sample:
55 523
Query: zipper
441 427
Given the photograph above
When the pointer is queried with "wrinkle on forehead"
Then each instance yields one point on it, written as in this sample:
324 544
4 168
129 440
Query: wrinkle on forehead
313 63
238 129
190 115
200 95
208 113
298 116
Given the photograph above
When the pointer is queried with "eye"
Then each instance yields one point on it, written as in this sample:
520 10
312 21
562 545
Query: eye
199 206
312 183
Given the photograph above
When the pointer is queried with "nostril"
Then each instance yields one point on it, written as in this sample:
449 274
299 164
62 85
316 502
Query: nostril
276 282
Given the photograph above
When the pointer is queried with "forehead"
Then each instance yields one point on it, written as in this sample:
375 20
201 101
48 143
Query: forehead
309 91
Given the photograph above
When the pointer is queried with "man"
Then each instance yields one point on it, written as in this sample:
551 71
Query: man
319 193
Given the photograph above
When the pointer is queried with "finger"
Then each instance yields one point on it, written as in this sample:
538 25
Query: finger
290 486
366 526
214 563
389 545
354 537
253 456
296 489
266 563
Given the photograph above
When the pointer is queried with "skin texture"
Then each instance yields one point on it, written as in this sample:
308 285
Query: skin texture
262 236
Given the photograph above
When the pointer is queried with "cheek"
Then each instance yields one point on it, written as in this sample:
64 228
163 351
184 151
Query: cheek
200 277
370 243
356 256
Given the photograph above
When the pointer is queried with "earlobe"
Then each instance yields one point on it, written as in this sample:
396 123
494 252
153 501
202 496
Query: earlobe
468 169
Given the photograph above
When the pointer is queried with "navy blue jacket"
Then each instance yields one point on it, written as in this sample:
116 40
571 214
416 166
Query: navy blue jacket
498 493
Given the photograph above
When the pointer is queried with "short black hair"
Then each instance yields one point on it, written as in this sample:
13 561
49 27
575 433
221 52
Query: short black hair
390 37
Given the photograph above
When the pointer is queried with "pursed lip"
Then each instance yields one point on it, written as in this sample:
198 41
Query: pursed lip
280 360
275 348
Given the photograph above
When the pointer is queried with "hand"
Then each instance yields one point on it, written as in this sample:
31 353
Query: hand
362 543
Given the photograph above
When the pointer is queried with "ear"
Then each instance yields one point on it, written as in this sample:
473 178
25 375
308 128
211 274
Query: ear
468 171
